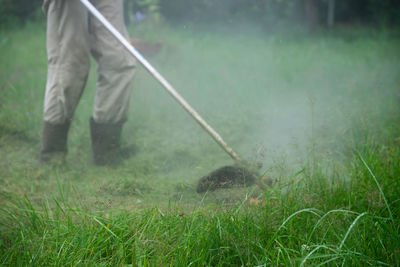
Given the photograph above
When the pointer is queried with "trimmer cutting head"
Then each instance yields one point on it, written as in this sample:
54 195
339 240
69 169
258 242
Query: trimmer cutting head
226 177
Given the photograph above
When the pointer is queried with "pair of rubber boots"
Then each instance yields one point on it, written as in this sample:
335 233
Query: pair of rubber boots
105 143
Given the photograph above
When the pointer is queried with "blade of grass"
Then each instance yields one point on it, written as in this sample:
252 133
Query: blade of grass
378 185
105 227
326 215
310 210
313 251
351 227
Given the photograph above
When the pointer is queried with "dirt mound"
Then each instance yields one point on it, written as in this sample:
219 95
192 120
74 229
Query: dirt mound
226 177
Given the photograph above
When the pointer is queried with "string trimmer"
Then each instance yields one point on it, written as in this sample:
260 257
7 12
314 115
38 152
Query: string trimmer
224 177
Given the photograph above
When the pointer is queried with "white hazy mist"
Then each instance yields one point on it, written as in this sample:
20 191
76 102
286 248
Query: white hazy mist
270 96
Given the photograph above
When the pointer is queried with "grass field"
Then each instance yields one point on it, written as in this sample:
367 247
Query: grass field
321 112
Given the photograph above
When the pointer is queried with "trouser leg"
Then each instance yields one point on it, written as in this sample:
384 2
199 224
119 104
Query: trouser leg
115 65
68 54
115 68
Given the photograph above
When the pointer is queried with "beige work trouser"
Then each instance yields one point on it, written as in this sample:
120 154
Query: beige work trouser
72 36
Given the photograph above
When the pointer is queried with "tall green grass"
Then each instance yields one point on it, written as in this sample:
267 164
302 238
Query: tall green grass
321 112
314 222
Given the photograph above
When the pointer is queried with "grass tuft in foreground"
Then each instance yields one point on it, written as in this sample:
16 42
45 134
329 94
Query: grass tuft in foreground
311 222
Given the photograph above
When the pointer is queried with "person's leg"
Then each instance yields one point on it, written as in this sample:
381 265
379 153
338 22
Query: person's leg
68 65
116 68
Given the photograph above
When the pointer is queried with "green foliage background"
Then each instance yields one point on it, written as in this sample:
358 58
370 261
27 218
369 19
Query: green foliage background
15 12
266 12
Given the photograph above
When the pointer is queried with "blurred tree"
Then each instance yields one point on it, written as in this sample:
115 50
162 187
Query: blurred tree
331 13
311 11
271 11
4 12
384 11
14 11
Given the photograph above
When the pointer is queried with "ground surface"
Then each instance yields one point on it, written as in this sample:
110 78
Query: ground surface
310 108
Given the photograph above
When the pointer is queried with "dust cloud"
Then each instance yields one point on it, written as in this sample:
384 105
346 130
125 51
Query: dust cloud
274 97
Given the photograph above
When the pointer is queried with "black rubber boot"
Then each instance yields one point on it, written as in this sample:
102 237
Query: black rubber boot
106 138
54 143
